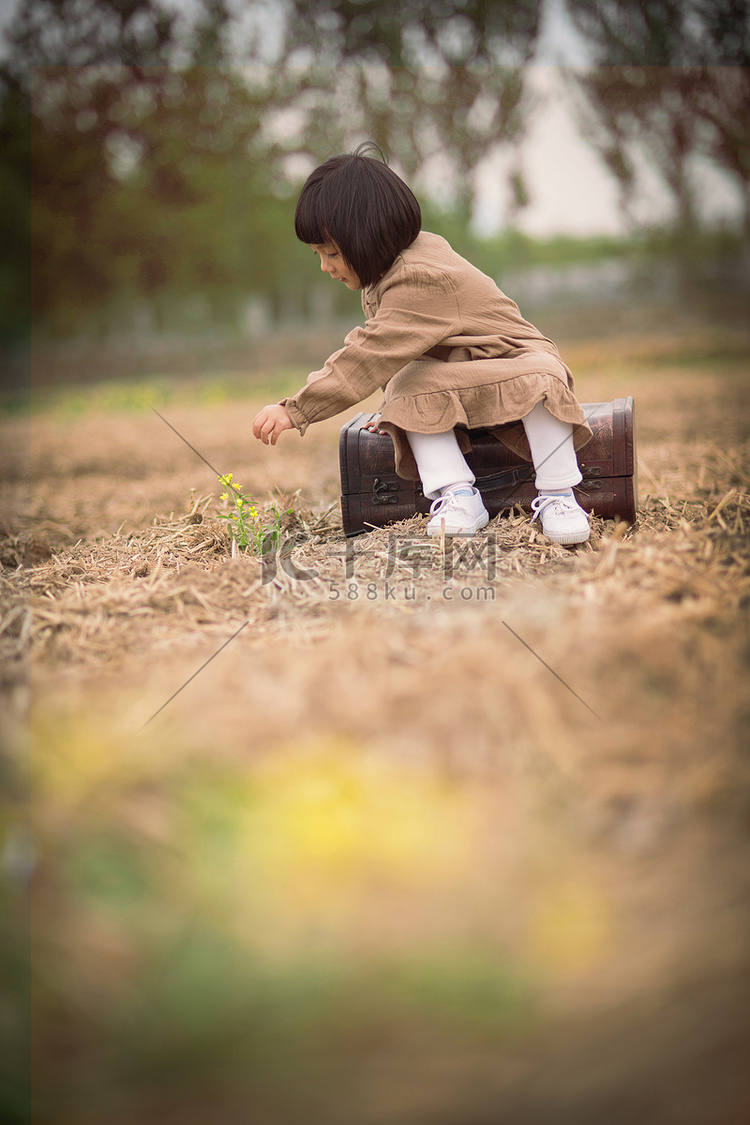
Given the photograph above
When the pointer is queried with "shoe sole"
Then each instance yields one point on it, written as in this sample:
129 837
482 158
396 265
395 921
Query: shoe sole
571 539
465 532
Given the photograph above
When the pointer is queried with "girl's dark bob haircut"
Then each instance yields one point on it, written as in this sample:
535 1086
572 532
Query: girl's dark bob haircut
356 201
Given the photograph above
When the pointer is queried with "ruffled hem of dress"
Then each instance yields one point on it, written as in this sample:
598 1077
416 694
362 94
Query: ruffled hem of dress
498 404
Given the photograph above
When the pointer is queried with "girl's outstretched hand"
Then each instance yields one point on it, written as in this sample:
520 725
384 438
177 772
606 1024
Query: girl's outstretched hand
270 422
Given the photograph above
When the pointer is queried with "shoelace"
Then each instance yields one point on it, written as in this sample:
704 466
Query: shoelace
540 504
450 500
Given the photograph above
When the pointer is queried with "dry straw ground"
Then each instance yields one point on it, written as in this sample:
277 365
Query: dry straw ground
415 846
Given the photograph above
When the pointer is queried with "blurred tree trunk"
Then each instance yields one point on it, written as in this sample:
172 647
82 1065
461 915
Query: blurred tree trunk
722 104
165 139
671 82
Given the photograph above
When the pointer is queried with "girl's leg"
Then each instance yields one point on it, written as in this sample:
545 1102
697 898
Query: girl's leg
457 507
440 462
556 467
552 451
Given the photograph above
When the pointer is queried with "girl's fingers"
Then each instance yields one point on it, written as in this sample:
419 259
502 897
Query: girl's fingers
259 423
274 431
264 426
268 426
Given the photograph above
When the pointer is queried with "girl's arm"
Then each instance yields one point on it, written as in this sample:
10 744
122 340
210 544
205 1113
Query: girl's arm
418 310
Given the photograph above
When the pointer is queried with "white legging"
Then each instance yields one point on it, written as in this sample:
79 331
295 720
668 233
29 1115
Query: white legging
441 463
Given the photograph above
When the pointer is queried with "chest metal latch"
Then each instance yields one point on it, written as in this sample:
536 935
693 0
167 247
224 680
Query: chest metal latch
383 490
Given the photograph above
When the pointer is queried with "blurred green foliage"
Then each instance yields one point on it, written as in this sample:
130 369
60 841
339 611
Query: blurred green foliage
163 149
141 394
144 188
208 924
150 157
15 216
671 83
17 858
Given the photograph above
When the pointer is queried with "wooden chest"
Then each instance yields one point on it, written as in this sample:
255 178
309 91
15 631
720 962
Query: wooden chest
372 495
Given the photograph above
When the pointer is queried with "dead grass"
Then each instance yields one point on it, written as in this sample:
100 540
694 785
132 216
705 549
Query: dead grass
182 575
590 706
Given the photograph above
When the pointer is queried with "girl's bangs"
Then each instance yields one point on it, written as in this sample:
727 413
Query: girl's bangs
308 222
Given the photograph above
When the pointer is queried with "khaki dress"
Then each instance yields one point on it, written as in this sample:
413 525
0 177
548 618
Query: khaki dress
449 350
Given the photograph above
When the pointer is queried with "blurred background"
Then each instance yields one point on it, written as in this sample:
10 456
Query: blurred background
375 867
152 151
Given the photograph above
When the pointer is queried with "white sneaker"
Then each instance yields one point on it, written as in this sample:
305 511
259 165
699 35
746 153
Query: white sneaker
460 510
563 519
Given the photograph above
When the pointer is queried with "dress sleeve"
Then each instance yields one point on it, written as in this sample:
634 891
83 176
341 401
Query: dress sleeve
417 311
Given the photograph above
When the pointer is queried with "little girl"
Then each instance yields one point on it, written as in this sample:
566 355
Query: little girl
450 351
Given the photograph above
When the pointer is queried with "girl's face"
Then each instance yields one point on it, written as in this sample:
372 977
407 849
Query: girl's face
332 262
